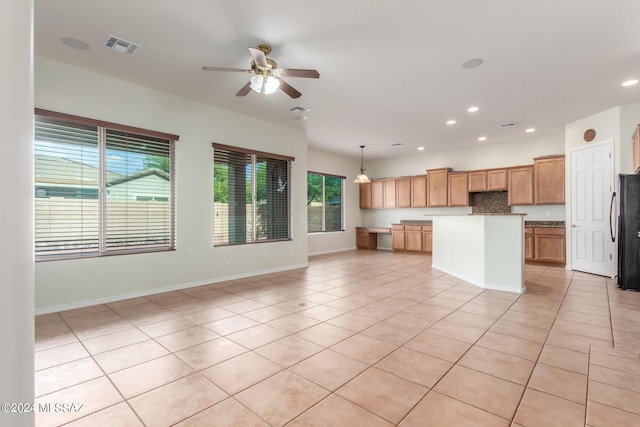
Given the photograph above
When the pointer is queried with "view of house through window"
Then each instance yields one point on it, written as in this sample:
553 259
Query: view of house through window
251 196
100 190
324 202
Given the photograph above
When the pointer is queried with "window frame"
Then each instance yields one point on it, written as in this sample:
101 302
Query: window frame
103 128
324 205
253 234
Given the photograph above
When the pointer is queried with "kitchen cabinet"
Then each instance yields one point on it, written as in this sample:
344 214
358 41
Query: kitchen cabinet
365 196
413 237
458 189
496 180
545 244
427 238
548 173
549 244
419 191
403 192
389 193
520 186
528 244
397 237
636 149
366 240
437 187
477 181
377 194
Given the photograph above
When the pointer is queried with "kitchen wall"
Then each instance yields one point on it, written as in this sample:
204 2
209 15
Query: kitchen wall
71 283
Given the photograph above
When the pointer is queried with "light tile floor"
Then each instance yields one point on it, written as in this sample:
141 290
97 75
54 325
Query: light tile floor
360 338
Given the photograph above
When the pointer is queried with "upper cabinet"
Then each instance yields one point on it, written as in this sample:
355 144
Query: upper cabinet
389 193
549 183
437 187
403 192
419 191
365 196
636 150
477 181
520 186
377 194
458 189
497 180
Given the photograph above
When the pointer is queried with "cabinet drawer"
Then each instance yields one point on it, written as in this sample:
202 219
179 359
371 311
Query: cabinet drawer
556 231
413 228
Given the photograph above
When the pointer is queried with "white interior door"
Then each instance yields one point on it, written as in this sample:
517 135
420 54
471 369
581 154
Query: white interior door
592 209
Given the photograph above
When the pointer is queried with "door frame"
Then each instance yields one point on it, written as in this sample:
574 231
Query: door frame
569 211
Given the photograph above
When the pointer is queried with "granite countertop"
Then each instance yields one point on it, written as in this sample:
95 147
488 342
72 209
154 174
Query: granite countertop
415 222
544 224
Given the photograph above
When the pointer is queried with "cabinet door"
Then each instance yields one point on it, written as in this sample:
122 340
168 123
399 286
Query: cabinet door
458 189
477 181
548 175
365 196
437 184
403 192
419 191
528 244
427 239
377 194
413 239
362 238
497 180
390 193
520 186
397 237
550 245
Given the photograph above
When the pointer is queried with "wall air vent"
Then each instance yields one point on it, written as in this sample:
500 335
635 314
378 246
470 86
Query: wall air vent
120 45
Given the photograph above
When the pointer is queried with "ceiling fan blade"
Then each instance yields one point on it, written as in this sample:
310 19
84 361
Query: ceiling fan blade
244 90
226 69
289 90
292 72
258 57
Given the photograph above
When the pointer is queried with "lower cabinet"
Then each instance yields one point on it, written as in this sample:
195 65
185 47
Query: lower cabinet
366 240
411 238
545 244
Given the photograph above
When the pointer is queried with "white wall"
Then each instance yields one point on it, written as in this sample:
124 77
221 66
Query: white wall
320 243
16 214
69 283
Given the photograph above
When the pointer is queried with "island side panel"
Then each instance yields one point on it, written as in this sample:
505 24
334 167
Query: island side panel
458 247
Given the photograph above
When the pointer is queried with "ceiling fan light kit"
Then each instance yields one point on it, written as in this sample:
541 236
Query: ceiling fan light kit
362 178
267 77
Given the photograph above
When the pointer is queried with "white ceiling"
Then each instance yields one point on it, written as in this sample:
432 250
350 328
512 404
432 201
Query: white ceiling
390 71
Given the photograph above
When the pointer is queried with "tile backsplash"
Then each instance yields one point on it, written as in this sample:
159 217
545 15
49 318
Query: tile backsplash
489 202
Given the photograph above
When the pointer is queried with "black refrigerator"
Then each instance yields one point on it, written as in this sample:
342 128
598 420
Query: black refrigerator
629 233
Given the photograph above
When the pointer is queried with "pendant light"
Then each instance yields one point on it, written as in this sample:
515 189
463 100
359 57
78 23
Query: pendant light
362 178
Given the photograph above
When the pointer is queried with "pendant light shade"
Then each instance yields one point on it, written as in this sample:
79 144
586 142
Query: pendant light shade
362 177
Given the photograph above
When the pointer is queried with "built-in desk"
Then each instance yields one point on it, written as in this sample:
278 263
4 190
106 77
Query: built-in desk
367 237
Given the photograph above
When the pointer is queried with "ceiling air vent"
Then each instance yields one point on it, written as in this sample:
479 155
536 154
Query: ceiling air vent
509 125
120 45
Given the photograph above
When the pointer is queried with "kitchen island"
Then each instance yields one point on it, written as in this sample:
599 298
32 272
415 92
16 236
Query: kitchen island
484 250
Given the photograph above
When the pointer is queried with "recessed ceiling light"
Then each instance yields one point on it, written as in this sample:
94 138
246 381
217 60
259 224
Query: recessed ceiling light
630 82
529 130
472 109
420 148
482 138
472 63
451 122
74 43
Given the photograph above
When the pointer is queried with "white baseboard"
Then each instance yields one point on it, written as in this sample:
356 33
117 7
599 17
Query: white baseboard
333 251
514 289
147 292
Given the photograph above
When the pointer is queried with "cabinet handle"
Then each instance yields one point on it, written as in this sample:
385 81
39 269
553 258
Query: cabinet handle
613 196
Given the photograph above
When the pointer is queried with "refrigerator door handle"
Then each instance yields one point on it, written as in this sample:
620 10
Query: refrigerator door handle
613 196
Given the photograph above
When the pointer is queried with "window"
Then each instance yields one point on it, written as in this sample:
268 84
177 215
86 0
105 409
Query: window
101 188
324 202
251 196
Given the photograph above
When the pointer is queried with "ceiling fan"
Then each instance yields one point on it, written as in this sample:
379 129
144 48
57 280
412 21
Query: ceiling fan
267 77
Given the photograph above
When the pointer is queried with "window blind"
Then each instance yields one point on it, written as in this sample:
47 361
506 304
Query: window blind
101 191
251 196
